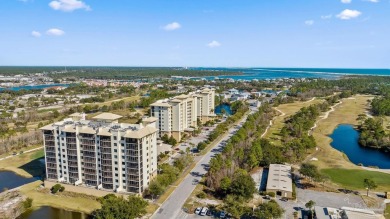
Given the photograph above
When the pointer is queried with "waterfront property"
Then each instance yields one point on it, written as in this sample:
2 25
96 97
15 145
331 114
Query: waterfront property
101 153
181 113
280 180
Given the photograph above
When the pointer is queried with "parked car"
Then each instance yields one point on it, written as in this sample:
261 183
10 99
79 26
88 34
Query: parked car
14 153
197 210
204 211
209 213
222 214
284 199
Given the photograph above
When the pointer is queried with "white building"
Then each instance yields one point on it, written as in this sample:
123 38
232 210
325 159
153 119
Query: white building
101 153
181 113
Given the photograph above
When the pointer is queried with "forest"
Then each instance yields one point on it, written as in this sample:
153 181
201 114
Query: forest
92 72
372 133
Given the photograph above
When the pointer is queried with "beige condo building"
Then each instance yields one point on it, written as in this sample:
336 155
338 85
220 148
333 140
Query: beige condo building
101 153
181 113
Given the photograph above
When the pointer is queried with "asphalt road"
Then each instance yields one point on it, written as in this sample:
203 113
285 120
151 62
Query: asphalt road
172 207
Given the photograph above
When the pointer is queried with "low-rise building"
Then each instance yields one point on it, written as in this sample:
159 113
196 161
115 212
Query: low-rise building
280 180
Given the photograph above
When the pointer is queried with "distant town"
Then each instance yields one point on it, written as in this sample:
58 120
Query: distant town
183 146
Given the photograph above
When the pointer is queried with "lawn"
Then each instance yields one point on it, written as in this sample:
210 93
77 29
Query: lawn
387 211
278 122
27 164
353 178
345 113
74 202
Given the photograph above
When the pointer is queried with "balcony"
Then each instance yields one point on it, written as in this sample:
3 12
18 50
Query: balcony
73 164
89 148
71 146
50 149
52 176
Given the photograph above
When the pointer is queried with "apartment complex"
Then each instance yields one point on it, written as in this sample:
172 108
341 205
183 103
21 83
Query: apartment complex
181 113
101 153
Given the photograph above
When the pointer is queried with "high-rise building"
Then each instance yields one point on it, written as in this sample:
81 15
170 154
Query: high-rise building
181 113
101 152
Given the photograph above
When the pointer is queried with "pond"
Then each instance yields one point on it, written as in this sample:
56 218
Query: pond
52 213
33 87
345 139
10 180
225 107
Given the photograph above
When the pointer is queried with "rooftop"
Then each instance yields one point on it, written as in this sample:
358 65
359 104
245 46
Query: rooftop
279 177
107 116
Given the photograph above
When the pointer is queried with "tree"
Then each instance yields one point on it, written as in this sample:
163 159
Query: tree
155 188
309 170
234 205
225 184
243 185
114 207
269 210
370 184
310 204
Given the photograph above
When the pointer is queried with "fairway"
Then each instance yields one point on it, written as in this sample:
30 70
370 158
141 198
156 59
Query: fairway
288 109
353 179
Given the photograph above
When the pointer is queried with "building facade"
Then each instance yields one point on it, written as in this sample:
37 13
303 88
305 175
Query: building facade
101 153
181 113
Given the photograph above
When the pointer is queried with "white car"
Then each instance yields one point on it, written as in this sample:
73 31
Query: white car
204 211
198 210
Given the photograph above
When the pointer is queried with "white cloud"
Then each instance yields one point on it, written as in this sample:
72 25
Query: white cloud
36 34
346 1
373 1
309 22
324 17
55 32
214 44
69 5
348 14
171 26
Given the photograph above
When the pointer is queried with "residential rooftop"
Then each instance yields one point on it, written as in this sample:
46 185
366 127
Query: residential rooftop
279 177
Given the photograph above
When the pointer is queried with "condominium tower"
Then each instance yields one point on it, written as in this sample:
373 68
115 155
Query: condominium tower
101 152
181 113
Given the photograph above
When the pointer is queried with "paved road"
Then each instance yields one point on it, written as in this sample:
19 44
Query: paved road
172 207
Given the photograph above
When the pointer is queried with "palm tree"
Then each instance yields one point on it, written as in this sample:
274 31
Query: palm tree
310 204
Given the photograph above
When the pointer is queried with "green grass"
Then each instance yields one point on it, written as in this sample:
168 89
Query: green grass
37 154
353 179
387 211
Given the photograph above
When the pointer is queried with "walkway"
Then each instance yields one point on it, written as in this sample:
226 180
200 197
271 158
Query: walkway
28 151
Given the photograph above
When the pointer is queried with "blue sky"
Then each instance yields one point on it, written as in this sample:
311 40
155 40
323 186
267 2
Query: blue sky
228 33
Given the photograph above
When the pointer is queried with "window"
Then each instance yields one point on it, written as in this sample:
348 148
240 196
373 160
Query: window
116 162
115 144
116 168
115 150
124 175
63 150
116 174
115 138
124 181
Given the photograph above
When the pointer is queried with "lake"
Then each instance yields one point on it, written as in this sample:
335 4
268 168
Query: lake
52 213
224 106
10 180
345 139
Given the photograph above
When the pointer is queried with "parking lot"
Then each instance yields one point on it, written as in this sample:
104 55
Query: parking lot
325 199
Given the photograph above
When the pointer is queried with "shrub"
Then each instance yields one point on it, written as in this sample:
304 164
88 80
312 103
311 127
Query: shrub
201 195
27 203
56 188
272 194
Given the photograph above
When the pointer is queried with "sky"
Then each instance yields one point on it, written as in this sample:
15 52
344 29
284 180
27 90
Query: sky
196 33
